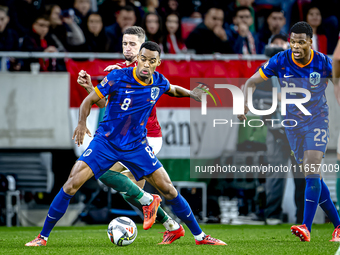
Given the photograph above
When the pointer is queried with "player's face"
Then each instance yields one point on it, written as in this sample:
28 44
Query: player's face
147 62
300 45
131 46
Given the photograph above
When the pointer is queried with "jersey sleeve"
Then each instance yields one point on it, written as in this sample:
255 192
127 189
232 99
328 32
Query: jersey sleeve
269 69
105 87
329 66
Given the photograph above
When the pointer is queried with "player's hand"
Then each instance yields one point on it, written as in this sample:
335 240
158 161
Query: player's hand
84 80
79 134
111 67
243 116
197 92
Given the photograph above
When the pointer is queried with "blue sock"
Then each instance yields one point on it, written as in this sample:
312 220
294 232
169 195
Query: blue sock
327 205
183 211
56 211
312 196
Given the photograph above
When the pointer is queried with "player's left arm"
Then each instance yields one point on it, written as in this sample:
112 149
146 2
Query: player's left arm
84 111
196 93
336 72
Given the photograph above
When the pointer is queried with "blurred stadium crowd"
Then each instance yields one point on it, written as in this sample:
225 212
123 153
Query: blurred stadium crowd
194 26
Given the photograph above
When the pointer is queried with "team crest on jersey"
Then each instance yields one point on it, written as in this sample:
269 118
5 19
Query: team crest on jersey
314 78
154 92
104 81
88 152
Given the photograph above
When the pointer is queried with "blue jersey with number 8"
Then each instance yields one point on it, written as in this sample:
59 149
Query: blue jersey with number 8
130 104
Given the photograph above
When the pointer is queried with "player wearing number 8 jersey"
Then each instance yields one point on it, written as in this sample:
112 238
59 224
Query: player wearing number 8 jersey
308 135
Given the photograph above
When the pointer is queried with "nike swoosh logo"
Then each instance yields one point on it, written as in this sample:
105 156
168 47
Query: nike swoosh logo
53 218
154 163
317 144
129 91
287 76
308 200
188 214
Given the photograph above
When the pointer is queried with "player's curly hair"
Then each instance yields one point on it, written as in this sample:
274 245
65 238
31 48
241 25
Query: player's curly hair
302 27
151 46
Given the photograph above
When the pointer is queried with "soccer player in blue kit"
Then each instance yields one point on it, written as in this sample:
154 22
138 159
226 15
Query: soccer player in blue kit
121 136
308 135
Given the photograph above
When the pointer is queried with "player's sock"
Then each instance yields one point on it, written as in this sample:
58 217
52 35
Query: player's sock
312 196
183 211
170 224
162 216
200 237
327 205
338 185
56 211
121 183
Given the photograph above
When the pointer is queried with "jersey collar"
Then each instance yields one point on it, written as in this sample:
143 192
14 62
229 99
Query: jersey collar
138 80
300 65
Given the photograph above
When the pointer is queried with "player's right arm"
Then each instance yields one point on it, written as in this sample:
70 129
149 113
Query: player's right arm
84 80
84 111
250 83
264 73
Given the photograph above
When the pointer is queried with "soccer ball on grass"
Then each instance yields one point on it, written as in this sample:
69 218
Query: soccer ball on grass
122 231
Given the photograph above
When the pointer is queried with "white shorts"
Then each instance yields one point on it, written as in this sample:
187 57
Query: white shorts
155 143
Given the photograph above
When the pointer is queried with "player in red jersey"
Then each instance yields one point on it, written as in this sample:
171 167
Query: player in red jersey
132 40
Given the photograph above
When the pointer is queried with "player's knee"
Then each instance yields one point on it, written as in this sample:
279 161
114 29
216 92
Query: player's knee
169 192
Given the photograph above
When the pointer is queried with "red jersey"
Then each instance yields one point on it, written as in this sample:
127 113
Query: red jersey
153 127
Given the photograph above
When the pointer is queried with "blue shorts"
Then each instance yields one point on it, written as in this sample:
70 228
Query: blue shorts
314 136
100 156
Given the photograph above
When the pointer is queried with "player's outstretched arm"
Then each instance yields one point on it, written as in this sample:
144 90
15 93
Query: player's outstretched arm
84 111
336 72
250 83
84 80
111 67
196 93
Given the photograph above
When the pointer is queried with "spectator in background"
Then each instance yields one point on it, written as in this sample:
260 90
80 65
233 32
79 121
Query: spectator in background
150 6
209 36
38 40
229 11
242 39
275 23
82 10
192 9
9 39
314 19
125 18
63 29
174 42
109 7
23 14
152 25
96 38
167 7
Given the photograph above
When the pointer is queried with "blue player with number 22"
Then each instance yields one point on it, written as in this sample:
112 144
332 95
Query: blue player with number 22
121 136
308 135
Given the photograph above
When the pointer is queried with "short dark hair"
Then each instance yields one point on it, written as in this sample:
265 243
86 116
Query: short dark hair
127 8
279 36
241 8
302 27
151 46
135 30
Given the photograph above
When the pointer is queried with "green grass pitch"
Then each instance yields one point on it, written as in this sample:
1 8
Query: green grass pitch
240 239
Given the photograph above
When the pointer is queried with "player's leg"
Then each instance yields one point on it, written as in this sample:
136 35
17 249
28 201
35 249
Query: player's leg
161 181
80 173
126 185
